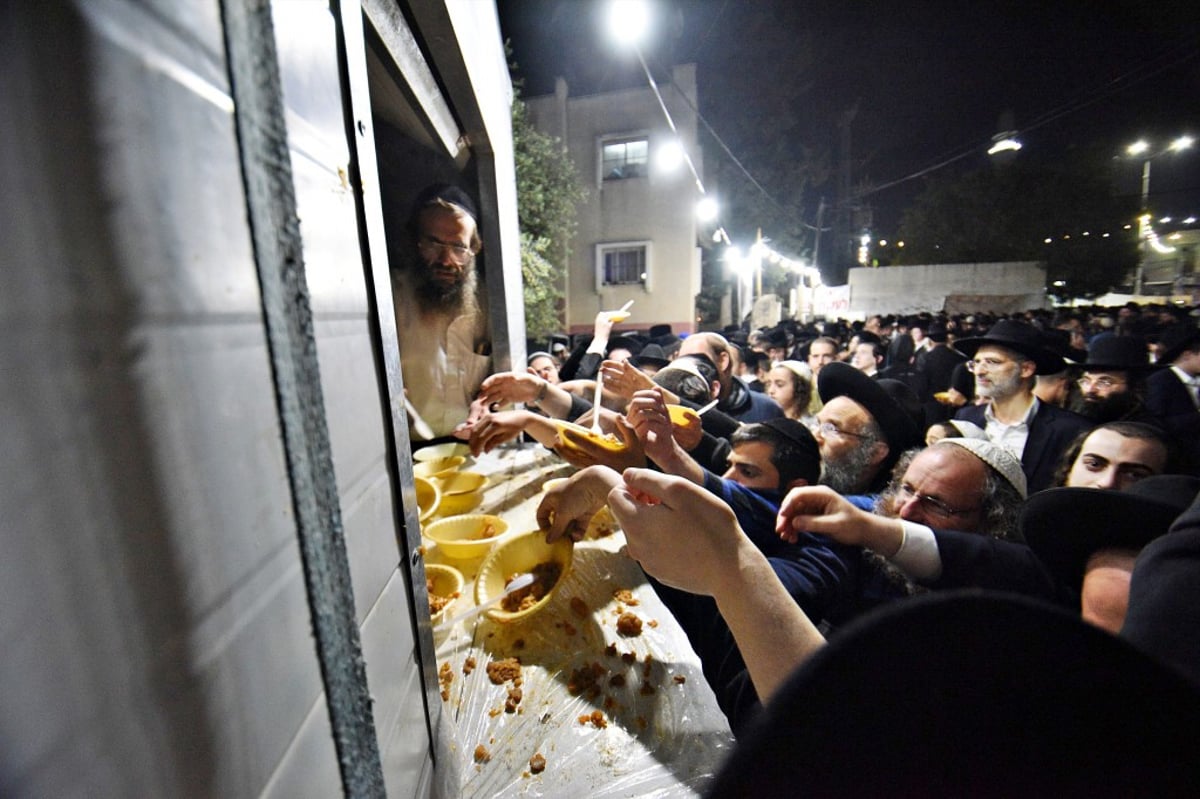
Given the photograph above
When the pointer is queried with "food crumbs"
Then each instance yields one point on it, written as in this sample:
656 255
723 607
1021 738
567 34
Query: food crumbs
679 679
501 671
625 596
482 755
445 677
468 665
537 764
629 625
579 607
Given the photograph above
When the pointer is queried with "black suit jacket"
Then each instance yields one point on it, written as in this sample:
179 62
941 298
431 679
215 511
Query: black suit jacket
938 365
1050 435
1168 399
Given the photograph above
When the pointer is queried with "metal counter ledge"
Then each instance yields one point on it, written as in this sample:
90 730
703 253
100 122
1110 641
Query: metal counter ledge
659 731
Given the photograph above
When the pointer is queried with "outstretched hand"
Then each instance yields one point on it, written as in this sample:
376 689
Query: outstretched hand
681 534
568 508
820 509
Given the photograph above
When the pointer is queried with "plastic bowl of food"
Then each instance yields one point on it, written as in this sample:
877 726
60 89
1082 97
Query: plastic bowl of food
429 496
688 428
468 536
450 449
461 492
521 554
444 584
567 431
438 467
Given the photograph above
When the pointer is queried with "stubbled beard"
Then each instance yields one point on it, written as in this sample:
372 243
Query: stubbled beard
455 298
999 389
846 476
1108 409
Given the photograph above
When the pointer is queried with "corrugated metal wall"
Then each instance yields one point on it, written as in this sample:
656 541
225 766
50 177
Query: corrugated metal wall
154 620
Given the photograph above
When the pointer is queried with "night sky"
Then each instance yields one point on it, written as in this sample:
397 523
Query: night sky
932 80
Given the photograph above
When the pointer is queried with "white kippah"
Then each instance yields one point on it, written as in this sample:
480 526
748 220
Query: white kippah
797 368
995 456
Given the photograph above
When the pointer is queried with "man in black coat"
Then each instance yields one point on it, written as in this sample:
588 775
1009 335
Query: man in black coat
1006 361
1171 393
938 361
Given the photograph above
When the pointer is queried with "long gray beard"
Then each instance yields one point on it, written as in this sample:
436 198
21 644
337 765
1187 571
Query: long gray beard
455 300
846 476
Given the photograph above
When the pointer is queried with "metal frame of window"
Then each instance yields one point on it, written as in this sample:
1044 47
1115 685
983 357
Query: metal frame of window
606 165
612 247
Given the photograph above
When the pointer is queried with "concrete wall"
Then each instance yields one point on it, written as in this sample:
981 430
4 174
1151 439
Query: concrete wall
154 616
957 288
658 208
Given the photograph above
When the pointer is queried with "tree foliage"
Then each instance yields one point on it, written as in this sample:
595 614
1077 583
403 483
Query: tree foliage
1008 213
547 194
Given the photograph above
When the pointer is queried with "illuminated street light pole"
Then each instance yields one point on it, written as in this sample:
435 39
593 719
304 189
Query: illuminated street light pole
1139 148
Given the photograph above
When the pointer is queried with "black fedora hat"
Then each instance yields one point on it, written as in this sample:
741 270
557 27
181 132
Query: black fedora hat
1175 339
1017 336
1065 526
651 355
971 694
897 410
1117 353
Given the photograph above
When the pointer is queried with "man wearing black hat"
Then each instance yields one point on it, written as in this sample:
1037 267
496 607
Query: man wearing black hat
1112 385
1089 539
1173 394
1005 362
441 320
938 361
863 427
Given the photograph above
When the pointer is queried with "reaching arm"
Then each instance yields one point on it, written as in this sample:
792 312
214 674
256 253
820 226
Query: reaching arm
652 423
689 539
819 509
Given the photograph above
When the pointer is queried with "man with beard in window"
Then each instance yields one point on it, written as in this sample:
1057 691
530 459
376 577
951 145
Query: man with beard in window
441 321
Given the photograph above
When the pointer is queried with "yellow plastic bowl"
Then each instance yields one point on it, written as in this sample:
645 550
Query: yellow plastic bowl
459 536
429 496
438 467
444 581
602 440
462 483
516 555
450 449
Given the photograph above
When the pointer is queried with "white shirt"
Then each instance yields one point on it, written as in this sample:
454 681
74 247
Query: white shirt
1010 436
1192 384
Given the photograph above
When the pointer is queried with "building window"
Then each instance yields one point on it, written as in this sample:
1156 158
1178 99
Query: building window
625 158
623 264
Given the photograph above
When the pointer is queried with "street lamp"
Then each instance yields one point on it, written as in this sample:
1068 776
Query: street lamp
1139 149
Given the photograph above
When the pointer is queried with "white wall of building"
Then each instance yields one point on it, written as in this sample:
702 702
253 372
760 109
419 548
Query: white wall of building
657 209
955 288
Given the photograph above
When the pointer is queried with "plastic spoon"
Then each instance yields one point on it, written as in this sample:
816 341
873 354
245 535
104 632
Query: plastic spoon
596 404
622 314
707 407
421 427
515 584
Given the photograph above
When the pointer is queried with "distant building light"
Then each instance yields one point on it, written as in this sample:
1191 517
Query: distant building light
899 244
1191 220
1047 240
1175 237
883 242
1127 227
669 155
1164 220
1106 235
1059 283
1087 233
707 209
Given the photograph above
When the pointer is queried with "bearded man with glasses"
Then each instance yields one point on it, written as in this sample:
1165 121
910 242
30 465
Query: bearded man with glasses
1006 362
441 323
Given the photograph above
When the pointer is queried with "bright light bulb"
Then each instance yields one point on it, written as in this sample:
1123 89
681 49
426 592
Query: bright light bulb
628 20
1191 220
1138 147
707 209
669 155
1182 143
1164 220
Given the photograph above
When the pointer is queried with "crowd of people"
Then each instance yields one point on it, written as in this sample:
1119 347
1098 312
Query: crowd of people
849 480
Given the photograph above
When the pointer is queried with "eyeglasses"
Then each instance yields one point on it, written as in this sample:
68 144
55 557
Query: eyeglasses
432 248
907 493
986 365
1105 383
830 429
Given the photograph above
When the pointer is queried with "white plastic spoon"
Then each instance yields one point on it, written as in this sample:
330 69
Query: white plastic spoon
515 584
